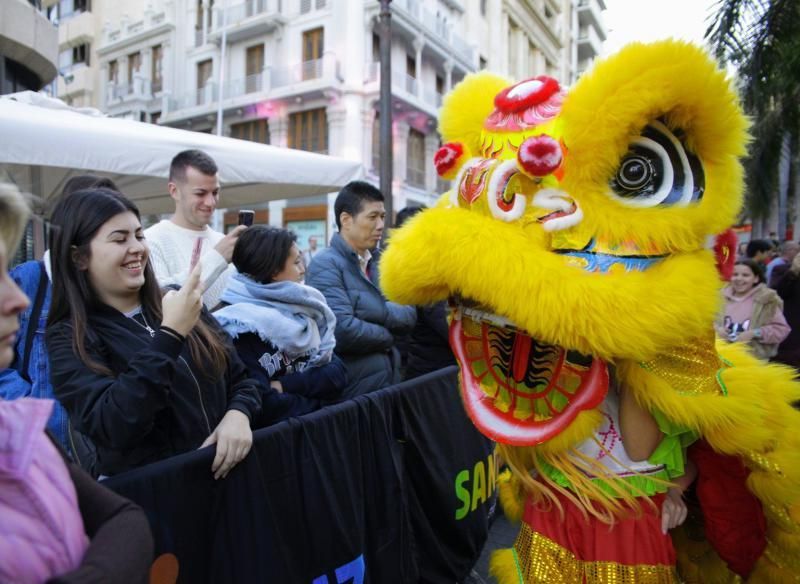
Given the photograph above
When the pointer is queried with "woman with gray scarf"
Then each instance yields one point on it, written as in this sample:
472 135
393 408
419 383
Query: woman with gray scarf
282 329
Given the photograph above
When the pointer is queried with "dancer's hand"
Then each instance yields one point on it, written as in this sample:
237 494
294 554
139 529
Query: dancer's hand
233 438
673 511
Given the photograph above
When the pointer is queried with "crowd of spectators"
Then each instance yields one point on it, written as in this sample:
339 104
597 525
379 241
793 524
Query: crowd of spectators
151 343
131 346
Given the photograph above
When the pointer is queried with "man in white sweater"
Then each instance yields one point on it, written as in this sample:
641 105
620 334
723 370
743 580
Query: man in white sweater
194 186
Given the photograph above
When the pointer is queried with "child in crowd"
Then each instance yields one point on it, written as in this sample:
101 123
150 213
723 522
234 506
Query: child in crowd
143 377
58 524
282 329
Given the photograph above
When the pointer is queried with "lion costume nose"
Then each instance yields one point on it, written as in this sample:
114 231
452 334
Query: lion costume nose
540 155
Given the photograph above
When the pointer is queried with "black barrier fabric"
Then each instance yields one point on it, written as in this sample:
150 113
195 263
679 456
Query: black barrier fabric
450 477
387 488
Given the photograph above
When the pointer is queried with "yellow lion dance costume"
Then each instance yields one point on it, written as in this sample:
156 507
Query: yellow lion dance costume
574 249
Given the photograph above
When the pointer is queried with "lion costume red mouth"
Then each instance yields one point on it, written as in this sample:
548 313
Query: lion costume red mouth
516 389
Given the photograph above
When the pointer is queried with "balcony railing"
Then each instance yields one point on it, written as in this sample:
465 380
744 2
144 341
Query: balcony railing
306 71
404 83
436 26
132 29
415 177
411 84
268 80
139 88
307 6
247 9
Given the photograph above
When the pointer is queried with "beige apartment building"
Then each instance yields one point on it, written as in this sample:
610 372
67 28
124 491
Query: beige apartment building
304 73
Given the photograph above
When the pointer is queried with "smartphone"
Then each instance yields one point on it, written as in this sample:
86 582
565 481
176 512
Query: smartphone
246 217
198 246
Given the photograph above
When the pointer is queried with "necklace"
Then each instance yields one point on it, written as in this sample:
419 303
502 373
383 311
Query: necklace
147 326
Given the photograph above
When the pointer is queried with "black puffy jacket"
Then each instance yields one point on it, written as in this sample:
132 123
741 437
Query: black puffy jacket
156 404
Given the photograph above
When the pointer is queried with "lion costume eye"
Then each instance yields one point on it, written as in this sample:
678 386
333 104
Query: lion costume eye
658 170
506 193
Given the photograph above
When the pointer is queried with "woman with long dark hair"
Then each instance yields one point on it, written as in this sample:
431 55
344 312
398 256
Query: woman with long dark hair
282 329
59 525
143 377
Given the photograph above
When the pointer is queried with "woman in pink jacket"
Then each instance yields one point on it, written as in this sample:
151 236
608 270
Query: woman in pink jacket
753 312
58 524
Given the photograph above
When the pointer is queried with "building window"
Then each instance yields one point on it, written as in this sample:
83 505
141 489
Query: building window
76 55
376 47
254 67
513 49
313 46
411 66
18 78
113 72
156 79
134 66
483 7
307 6
415 166
198 23
203 77
253 131
533 60
308 130
155 117
66 8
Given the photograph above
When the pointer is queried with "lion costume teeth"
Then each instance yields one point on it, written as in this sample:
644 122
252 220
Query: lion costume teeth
573 242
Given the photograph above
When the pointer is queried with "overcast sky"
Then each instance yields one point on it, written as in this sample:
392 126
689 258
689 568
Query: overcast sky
649 20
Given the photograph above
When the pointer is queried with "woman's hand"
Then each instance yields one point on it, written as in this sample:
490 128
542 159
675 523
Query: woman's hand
673 511
181 308
746 336
277 386
233 438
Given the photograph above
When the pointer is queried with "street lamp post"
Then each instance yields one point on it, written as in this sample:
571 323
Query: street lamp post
385 26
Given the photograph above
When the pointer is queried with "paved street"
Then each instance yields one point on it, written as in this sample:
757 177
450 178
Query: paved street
501 535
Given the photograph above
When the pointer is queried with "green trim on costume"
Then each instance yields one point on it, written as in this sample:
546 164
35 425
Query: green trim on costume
721 383
516 565
670 453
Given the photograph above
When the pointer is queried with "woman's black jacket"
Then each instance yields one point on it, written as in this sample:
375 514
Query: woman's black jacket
157 403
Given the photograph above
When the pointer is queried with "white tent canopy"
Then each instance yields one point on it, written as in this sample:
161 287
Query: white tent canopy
44 143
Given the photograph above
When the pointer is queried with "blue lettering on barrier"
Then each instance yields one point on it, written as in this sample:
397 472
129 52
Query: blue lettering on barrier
350 573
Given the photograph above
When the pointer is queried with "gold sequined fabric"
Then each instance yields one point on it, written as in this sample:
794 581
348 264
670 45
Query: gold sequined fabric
543 561
691 369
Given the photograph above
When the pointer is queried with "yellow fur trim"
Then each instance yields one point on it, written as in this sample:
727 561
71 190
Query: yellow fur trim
512 496
466 106
453 251
503 567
